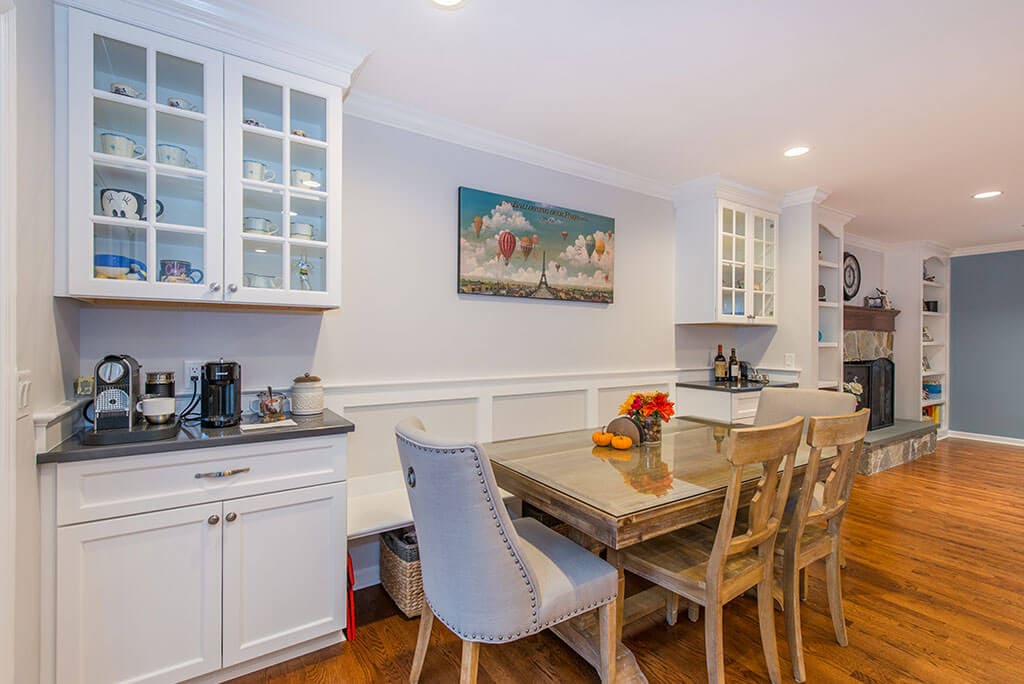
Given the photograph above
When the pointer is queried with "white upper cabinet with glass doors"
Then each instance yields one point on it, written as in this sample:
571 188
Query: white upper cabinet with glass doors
145 213
196 176
726 255
282 150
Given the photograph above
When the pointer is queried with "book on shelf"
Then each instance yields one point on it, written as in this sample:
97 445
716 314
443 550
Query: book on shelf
932 414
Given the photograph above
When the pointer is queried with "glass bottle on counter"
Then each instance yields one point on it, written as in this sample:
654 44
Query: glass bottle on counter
721 369
734 367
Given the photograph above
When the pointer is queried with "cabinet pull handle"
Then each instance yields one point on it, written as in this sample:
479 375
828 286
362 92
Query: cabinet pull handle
222 473
213 519
231 517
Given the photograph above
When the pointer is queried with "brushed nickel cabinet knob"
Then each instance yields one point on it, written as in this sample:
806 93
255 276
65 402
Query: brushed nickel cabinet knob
231 517
214 287
213 519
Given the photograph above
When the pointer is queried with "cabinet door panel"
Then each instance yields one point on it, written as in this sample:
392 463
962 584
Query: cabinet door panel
144 164
139 597
284 569
282 150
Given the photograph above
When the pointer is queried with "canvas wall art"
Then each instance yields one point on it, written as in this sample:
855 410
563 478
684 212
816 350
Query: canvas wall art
512 247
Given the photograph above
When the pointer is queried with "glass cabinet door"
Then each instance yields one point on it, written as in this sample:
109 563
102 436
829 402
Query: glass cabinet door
733 248
282 193
764 268
144 126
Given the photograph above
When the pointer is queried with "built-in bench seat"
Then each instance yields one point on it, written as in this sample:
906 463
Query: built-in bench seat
378 503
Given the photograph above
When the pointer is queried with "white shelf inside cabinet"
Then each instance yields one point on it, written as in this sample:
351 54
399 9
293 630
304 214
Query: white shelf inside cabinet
828 305
934 314
827 264
179 112
309 142
828 345
933 402
933 344
266 132
930 283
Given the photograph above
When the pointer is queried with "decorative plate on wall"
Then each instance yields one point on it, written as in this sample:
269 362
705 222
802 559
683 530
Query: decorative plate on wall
851 276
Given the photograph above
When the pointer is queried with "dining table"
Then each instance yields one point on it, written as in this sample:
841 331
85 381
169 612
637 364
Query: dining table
612 499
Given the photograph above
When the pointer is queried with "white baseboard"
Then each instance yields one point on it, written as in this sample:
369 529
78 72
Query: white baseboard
994 439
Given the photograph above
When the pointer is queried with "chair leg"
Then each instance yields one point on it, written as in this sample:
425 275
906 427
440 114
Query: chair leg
609 643
803 584
835 596
470 661
794 635
766 621
671 607
426 622
842 553
713 646
693 612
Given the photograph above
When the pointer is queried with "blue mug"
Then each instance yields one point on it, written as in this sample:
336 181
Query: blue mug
117 266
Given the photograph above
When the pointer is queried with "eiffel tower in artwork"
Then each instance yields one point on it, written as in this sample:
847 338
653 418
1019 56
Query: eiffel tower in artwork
543 291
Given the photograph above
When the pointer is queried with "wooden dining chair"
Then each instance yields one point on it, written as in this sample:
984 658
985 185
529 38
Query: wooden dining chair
710 567
488 578
813 531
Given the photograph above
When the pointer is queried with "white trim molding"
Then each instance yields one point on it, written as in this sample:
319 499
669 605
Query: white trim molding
811 195
989 249
380 110
992 439
866 243
8 328
238 28
718 186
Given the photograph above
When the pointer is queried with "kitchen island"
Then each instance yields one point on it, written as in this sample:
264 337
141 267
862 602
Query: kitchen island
732 402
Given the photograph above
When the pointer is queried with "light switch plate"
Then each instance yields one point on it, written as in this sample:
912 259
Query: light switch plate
24 392
790 360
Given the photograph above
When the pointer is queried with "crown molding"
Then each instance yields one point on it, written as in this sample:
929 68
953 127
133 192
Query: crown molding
383 111
727 189
235 27
811 195
989 249
866 243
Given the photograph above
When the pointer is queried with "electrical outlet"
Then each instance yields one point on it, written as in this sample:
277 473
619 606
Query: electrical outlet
790 360
193 369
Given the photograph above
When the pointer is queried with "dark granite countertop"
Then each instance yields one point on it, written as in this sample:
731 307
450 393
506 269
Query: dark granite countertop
197 437
740 386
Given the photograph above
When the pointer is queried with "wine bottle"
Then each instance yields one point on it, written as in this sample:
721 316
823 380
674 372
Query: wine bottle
721 371
734 367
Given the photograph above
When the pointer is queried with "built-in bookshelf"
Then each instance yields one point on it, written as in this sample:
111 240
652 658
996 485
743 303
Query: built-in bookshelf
829 293
934 312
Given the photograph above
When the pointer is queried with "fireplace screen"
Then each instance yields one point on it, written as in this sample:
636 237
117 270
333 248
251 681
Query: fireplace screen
876 377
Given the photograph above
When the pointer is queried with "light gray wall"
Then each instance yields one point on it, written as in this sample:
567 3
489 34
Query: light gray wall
986 334
401 317
872 267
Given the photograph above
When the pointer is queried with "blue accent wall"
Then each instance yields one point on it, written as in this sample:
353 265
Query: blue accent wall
987 344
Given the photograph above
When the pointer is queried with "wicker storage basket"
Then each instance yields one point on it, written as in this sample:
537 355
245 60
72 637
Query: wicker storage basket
400 570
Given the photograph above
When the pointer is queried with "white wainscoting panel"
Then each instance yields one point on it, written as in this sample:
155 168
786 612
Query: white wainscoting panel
374 437
539 414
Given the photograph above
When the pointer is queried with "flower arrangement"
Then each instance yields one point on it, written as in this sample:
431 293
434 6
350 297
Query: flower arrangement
647 410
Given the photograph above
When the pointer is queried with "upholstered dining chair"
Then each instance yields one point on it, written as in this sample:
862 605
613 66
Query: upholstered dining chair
710 567
813 531
777 404
488 578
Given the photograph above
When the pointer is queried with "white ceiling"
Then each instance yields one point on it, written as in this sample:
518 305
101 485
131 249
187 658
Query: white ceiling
910 106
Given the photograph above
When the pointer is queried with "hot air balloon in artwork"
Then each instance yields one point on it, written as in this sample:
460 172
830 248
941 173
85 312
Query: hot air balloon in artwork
599 248
478 224
526 246
590 245
565 234
506 245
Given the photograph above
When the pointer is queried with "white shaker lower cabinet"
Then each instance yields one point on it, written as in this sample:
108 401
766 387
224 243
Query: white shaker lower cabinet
139 597
199 563
284 581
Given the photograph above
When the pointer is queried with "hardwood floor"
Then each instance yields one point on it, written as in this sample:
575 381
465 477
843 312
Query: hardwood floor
933 590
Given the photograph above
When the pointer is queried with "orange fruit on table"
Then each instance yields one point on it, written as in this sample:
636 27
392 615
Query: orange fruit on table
621 442
602 438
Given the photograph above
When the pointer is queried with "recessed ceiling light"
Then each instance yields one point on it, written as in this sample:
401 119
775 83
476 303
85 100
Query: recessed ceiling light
797 151
988 194
449 4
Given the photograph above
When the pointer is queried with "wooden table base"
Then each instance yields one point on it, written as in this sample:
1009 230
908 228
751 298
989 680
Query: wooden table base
581 635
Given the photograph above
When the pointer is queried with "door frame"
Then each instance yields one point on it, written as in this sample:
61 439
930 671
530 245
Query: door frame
8 357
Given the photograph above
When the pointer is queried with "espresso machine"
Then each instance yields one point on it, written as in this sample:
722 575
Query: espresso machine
221 394
117 397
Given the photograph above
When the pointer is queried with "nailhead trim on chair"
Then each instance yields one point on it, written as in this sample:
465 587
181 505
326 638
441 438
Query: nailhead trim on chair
535 627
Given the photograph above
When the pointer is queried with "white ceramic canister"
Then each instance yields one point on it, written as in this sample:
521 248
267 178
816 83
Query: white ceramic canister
307 396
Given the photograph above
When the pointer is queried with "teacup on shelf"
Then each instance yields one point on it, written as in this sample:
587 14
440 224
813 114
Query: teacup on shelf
264 281
257 170
301 231
180 103
258 224
304 178
173 155
121 146
126 90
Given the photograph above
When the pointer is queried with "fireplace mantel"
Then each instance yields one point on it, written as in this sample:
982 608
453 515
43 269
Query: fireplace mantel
864 318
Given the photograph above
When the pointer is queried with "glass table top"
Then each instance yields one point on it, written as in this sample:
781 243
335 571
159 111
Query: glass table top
689 462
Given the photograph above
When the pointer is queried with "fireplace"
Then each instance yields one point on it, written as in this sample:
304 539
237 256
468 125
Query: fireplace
876 378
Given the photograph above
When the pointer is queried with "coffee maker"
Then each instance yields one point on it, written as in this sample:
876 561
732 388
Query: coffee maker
221 394
117 393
